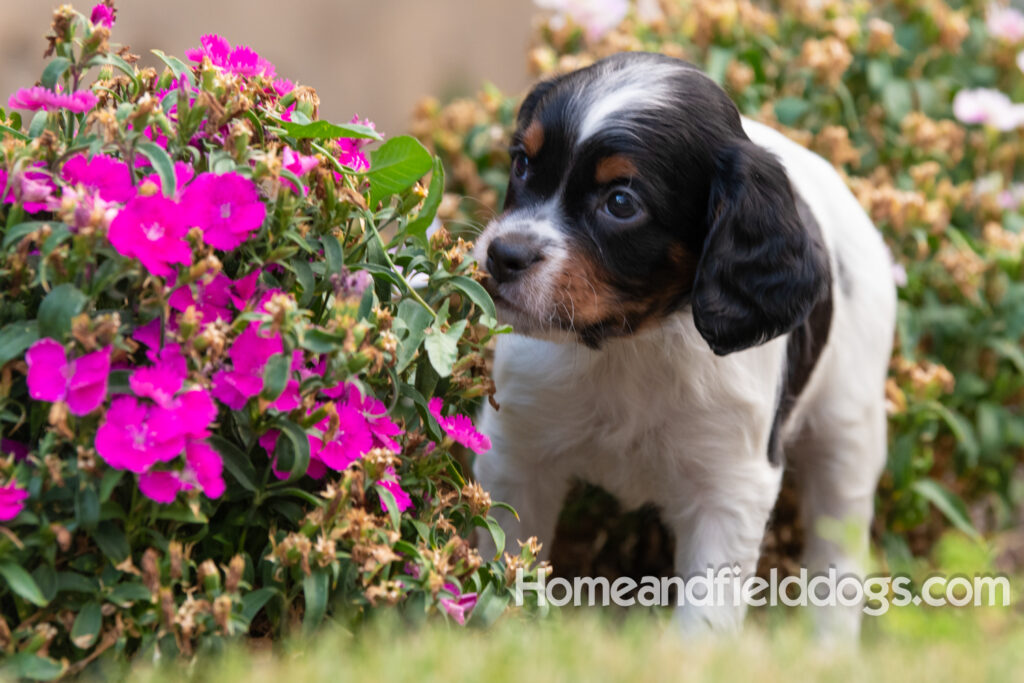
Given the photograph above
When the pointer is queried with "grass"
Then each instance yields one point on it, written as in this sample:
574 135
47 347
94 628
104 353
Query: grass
590 645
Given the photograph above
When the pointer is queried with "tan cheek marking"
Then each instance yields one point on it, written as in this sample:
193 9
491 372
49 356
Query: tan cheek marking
614 167
533 138
583 295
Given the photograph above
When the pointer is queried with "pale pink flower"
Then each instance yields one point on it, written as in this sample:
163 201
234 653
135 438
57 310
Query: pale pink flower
989 107
1005 23
459 605
81 383
595 17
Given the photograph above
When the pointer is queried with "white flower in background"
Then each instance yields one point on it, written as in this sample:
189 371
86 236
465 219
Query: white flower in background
988 106
596 17
648 11
1020 60
1005 23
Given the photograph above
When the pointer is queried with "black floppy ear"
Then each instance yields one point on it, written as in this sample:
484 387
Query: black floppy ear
761 269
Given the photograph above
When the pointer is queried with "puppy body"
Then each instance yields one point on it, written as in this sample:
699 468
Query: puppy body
647 409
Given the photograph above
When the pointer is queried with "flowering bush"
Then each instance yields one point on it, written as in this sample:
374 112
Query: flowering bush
919 105
232 364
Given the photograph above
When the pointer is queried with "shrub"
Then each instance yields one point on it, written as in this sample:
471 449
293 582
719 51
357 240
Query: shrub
913 103
234 367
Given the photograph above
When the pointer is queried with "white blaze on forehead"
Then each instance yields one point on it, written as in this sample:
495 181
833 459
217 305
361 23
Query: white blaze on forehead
635 87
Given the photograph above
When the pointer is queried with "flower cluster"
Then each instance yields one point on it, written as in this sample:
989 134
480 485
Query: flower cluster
206 335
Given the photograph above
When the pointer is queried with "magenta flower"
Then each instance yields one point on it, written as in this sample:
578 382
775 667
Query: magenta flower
12 501
135 436
103 15
299 164
282 86
249 355
151 229
376 415
390 484
226 207
40 98
206 467
241 60
160 382
214 300
109 178
352 440
459 605
183 174
351 149
81 382
316 468
460 428
160 486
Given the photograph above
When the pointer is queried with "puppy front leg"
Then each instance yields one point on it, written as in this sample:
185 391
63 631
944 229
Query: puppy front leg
722 526
534 490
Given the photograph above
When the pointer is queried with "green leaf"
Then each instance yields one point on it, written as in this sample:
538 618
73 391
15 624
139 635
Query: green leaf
897 99
177 67
476 293
961 428
58 308
292 450
388 499
32 667
718 61
324 130
497 533
443 347
17 134
253 601
86 628
948 503
236 462
21 583
417 227
87 508
16 232
789 110
332 253
53 71
124 593
37 125
276 375
162 164
112 542
315 591
415 319
16 337
396 165
489 608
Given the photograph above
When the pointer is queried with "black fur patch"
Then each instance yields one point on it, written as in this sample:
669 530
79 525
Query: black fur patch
803 349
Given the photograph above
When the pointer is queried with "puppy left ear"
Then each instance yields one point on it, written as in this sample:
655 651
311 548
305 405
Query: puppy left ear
762 269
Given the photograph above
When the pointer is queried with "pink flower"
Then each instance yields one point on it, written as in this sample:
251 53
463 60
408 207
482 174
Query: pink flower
183 174
206 467
316 468
460 428
35 191
351 441
109 178
458 606
161 487
226 207
283 86
596 17
214 300
988 106
40 98
103 15
82 382
1005 23
151 229
299 164
12 501
391 485
249 355
135 436
241 60
376 415
160 382
351 148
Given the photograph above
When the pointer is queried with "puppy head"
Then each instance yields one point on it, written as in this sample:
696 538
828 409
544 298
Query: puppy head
634 192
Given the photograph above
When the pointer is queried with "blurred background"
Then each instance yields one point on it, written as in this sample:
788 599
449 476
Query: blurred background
374 58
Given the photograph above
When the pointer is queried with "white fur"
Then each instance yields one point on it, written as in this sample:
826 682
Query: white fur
623 89
657 417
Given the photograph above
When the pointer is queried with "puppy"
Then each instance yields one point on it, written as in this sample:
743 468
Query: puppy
697 301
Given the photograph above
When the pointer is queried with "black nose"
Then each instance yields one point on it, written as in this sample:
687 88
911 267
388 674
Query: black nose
507 259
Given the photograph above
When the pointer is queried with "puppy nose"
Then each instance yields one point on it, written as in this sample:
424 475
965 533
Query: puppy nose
508 259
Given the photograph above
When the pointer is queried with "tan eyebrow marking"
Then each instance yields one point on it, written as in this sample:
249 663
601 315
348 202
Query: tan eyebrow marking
614 167
533 138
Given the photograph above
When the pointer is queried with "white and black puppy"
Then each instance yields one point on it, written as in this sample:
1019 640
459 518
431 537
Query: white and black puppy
695 299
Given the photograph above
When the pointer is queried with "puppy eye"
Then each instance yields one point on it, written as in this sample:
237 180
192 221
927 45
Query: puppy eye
622 205
520 165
